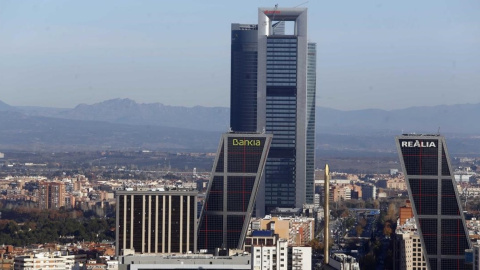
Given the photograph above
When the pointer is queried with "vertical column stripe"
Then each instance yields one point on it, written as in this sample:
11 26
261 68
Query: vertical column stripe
188 224
149 241
124 223
169 223
131 221
181 224
156 224
163 225
143 223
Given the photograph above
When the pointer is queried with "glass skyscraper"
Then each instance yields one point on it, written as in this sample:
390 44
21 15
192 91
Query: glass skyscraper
283 101
436 204
243 78
232 190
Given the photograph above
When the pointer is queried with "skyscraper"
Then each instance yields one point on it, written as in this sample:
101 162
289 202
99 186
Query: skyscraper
435 201
232 190
243 78
282 94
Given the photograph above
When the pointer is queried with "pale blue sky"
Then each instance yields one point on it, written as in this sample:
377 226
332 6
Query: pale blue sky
371 53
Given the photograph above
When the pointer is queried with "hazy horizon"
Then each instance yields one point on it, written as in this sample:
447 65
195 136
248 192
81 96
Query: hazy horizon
371 54
33 106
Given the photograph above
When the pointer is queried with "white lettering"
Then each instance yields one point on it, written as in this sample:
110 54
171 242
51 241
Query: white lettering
417 143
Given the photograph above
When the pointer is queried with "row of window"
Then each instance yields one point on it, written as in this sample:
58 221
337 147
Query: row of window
288 45
294 80
281 75
281 40
281 53
276 49
281 84
275 70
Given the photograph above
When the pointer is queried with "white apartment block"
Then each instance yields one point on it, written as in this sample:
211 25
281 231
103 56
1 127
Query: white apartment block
49 261
38 261
301 258
281 257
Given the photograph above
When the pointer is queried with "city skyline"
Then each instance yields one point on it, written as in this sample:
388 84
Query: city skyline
371 55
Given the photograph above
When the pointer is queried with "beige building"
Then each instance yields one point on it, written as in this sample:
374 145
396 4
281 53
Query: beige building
298 231
345 192
408 248
397 184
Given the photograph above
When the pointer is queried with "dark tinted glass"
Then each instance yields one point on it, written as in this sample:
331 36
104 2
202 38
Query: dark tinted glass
425 194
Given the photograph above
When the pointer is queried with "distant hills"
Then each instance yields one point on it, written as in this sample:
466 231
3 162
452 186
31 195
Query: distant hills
126 124
127 111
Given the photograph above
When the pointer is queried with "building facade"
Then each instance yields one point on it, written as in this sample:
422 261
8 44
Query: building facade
50 261
281 257
184 262
285 107
232 190
280 99
407 247
369 191
156 221
51 195
435 201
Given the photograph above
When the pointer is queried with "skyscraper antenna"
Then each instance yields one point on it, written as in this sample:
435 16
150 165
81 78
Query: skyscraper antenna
274 12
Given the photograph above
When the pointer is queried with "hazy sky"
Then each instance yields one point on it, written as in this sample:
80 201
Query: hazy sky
371 54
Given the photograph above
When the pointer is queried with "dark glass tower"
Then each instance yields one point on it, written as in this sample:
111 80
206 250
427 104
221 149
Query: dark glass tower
436 205
243 78
232 190
273 84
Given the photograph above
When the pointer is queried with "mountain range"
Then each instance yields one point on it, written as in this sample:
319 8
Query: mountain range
126 124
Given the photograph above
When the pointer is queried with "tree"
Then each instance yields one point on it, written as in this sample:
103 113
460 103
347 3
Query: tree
359 230
362 222
315 244
391 213
387 229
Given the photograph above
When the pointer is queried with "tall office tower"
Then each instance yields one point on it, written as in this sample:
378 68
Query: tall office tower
273 85
232 190
156 221
311 97
51 195
243 78
285 107
435 202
